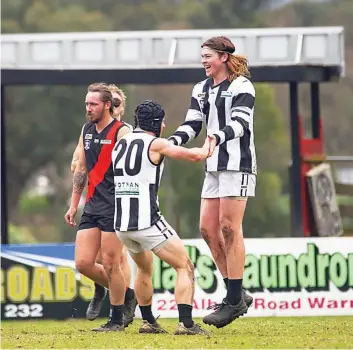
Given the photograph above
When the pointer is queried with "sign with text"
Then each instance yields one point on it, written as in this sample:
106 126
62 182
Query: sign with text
40 281
286 277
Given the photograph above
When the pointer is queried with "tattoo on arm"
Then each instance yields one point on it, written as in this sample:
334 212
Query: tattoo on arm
80 178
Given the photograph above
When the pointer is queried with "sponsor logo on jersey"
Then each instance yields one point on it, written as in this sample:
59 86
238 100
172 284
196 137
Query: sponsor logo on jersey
88 137
96 140
202 97
125 188
87 144
226 94
106 142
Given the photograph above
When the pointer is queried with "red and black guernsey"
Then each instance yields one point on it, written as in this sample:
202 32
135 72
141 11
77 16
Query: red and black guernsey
98 150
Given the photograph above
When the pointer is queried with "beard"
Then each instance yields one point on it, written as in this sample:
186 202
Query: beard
96 117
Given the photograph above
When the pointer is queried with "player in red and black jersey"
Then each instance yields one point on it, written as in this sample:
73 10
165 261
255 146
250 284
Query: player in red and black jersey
96 229
94 308
130 302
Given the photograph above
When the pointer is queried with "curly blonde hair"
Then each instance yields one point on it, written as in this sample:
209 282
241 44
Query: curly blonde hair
115 89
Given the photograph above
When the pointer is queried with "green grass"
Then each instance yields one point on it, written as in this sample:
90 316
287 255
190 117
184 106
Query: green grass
280 332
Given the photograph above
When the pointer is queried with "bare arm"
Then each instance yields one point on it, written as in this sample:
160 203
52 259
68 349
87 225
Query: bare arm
75 155
123 131
161 147
79 182
80 174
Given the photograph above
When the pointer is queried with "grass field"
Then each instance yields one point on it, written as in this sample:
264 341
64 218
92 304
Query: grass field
286 332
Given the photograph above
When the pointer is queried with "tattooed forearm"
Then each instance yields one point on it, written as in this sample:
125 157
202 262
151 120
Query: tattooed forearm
80 178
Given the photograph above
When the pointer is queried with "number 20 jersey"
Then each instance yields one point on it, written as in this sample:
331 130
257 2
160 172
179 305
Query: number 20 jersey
136 180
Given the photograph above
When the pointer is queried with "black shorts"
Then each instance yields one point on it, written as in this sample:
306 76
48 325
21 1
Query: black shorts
104 223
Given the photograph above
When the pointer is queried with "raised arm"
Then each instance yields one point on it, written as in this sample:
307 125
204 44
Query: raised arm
193 121
242 110
78 185
161 147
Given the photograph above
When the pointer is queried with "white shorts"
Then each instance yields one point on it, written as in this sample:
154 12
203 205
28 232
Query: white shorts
228 183
151 238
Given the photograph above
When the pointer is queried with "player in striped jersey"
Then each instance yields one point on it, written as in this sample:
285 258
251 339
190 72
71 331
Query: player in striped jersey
138 165
96 229
225 103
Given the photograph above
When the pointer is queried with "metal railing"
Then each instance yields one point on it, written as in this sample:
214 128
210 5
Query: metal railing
321 46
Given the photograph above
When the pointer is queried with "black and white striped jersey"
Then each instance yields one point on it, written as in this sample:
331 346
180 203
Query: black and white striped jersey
136 180
227 109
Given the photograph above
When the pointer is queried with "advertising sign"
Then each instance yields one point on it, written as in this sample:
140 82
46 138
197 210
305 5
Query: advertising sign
40 281
286 277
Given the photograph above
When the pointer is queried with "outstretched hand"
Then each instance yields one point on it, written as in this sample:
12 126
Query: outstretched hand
205 149
212 142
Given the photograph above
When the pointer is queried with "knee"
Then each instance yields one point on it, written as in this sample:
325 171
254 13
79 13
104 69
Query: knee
83 265
146 270
205 234
123 259
110 260
213 238
186 266
230 230
99 259
225 223
107 264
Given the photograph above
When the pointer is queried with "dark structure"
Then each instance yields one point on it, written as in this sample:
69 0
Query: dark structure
293 56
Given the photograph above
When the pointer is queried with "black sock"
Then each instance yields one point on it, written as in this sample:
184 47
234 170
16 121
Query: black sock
129 295
146 313
99 291
226 282
117 314
234 291
185 315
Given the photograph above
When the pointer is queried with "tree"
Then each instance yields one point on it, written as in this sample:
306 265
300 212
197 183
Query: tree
224 13
49 16
268 213
43 123
336 102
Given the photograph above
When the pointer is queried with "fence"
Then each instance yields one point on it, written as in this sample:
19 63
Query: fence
286 277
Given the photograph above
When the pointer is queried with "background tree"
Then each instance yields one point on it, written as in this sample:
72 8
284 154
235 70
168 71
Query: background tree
336 101
43 123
